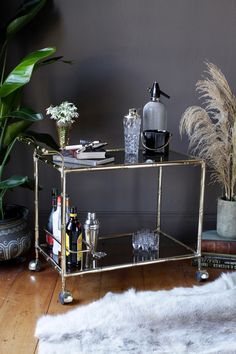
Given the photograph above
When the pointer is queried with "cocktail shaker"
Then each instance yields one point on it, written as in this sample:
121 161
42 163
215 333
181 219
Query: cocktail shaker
91 231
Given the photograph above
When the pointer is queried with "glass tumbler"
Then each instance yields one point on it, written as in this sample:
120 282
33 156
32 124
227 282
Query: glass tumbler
132 123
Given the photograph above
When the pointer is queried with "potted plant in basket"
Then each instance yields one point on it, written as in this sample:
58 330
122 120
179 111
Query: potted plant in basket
212 136
15 121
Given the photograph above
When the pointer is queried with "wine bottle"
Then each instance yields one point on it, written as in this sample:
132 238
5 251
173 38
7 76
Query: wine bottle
73 240
67 208
49 238
79 245
56 227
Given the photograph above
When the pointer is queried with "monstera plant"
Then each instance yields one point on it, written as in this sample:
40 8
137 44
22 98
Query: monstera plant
15 121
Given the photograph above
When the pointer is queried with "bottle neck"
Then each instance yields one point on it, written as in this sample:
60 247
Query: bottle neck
59 201
54 202
155 99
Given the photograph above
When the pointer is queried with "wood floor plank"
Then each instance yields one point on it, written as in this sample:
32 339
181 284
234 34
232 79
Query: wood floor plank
164 275
122 280
84 289
29 297
8 273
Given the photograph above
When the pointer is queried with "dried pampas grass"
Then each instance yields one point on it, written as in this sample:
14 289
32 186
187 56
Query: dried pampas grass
212 130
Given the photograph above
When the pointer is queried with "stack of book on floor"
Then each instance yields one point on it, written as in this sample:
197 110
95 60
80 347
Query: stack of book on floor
217 252
86 153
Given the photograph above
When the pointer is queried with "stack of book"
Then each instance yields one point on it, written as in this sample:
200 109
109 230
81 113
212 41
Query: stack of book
89 154
217 252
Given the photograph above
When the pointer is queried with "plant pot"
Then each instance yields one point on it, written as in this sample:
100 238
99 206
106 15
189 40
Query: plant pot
15 237
226 218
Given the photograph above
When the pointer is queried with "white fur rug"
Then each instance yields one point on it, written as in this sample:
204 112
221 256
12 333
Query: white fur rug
201 319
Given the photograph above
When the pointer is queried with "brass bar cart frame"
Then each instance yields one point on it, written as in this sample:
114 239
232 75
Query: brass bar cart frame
45 156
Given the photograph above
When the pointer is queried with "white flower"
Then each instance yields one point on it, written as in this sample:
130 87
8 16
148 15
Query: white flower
64 113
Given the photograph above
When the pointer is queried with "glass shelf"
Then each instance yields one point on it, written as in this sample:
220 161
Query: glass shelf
120 254
122 161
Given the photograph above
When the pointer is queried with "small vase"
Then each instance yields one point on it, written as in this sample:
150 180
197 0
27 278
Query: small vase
63 131
226 218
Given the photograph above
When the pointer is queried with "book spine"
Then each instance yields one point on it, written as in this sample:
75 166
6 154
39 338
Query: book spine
219 259
216 265
227 247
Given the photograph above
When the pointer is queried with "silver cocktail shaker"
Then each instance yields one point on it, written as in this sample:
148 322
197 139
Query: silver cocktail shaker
91 230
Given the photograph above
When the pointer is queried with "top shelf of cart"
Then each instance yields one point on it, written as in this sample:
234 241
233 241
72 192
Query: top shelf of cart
120 161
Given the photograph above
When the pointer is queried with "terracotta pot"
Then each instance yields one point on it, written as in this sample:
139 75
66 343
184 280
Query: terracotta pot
226 218
15 237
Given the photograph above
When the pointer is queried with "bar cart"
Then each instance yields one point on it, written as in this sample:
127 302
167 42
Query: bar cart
170 248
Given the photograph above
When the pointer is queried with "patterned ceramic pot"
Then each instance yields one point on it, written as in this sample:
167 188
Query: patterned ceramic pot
15 237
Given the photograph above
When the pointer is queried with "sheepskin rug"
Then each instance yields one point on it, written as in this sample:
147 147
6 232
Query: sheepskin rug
201 319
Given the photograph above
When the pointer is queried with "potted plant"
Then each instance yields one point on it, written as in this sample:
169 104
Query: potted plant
15 121
211 130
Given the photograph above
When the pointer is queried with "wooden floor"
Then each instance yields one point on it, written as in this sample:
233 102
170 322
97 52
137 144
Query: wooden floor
25 295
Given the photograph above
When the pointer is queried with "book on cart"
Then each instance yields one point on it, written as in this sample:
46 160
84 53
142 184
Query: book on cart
88 150
96 154
213 243
71 161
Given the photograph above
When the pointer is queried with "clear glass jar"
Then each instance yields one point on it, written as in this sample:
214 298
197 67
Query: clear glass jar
132 123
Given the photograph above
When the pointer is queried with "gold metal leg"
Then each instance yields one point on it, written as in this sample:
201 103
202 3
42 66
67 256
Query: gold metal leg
65 296
63 231
201 206
34 265
201 274
36 201
159 196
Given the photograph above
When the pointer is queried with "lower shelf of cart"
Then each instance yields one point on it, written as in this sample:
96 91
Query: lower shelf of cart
120 254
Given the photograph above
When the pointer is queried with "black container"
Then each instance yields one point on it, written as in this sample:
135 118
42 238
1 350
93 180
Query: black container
156 142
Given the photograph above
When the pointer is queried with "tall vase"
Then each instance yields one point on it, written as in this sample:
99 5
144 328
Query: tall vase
226 218
63 131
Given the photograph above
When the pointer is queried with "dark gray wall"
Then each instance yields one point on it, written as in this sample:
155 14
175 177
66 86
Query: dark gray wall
118 48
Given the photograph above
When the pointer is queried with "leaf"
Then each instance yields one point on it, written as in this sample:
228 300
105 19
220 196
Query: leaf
2 156
13 182
14 130
26 13
22 73
25 114
9 103
30 184
53 60
43 138
50 60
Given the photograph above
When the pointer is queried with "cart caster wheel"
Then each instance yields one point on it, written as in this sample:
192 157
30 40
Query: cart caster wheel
201 275
34 266
65 297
